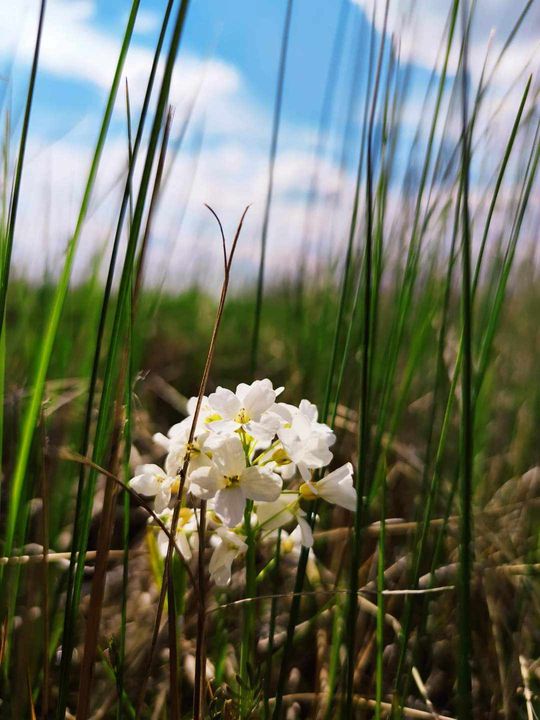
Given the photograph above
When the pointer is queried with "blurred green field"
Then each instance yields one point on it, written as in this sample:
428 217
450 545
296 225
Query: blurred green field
297 329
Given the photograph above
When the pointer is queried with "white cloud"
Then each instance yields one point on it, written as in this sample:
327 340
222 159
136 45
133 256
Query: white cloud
228 178
74 47
231 172
147 22
69 42
420 26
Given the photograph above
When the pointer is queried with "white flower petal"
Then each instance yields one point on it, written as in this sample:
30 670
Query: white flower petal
225 403
149 469
175 458
242 390
306 532
145 484
162 440
304 472
337 487
261 484
162 543
228 545
230 504
258 398
229 456
207 480
183 544
302 426
287 471
220 564
284 411
344 472
309 410
163 498
223 426
180 430
232 538
222 576
192 404
273 515
347 497
288 438
263 434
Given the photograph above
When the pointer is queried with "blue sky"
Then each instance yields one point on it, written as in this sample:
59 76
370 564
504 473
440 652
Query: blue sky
228 60
214 29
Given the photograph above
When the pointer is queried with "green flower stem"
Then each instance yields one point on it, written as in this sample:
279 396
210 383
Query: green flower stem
246 649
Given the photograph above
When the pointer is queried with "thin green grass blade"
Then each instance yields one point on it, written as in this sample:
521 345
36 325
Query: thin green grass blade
14 204
498 184
379 633
431 491
347 268
270 188
487 343
465 655
362 481
126 505
302 563
84 443
119 322
32 411
405 293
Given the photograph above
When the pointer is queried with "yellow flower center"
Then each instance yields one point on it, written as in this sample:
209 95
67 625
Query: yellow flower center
242 417
175 487
280 456
213 417
306 492
184 516
232 481
193 449
287 545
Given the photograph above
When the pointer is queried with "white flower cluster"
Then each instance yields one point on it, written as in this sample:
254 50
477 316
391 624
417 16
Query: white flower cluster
245 446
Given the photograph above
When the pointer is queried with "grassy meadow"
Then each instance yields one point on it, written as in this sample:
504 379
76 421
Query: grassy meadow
415 331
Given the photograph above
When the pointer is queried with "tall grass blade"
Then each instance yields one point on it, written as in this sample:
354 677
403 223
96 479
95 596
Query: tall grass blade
14 203
32 411
302 563
16 518
120 314
467 408
364 431
270 188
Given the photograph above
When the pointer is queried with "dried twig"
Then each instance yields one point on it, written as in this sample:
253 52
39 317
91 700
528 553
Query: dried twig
362 702
198 701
